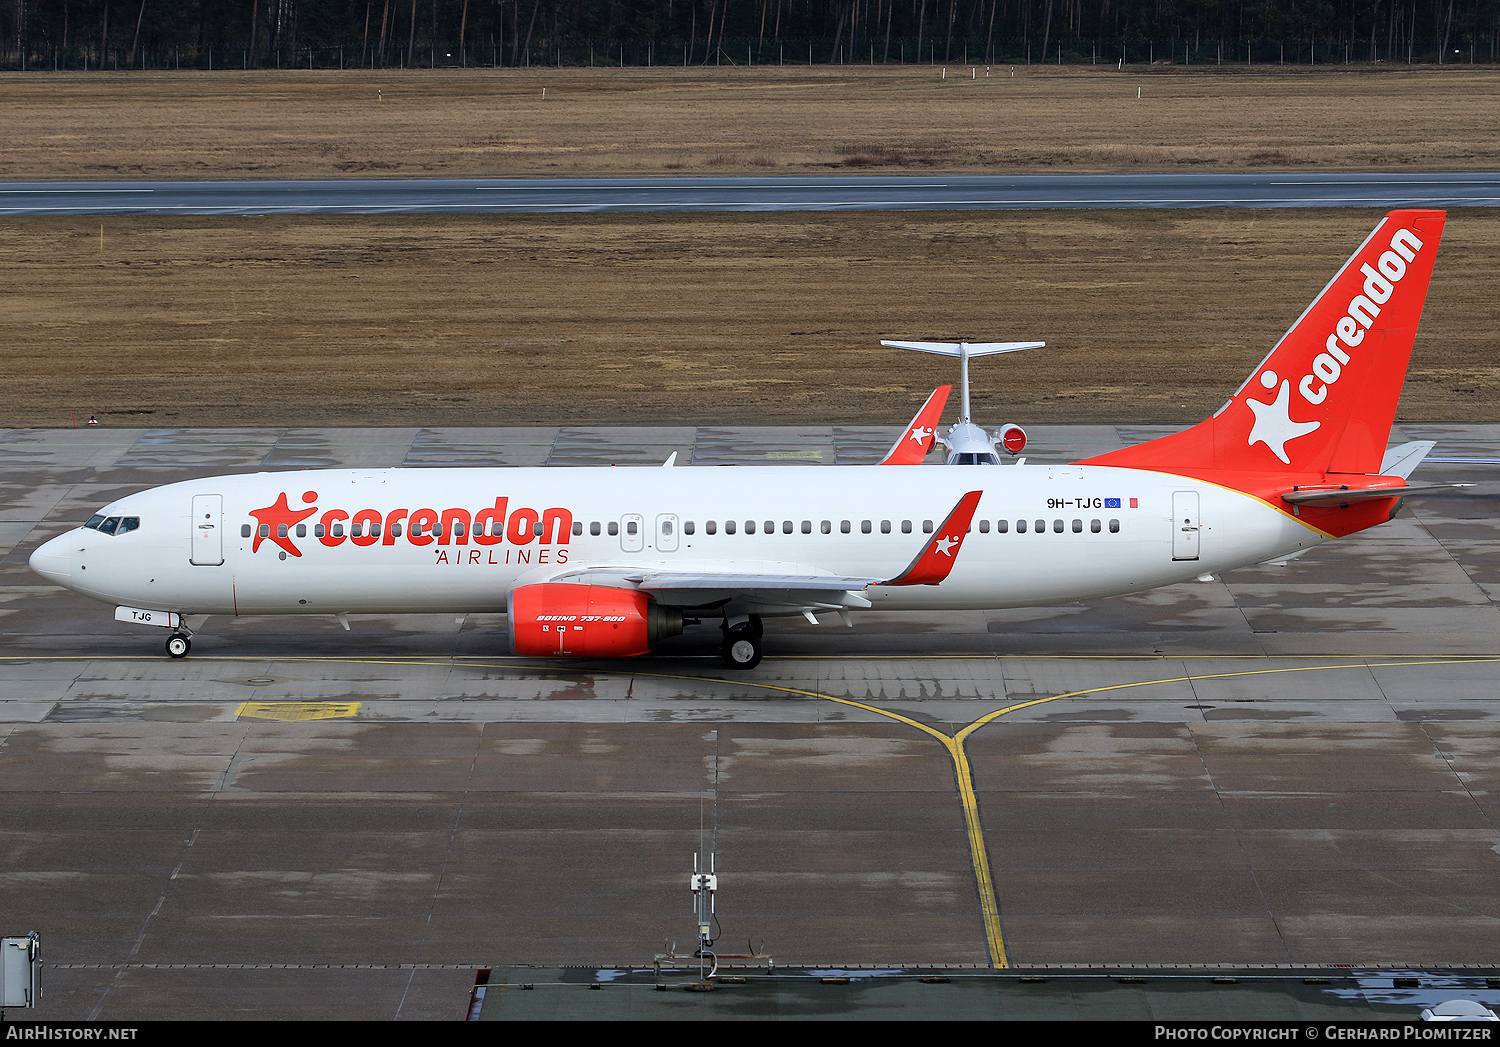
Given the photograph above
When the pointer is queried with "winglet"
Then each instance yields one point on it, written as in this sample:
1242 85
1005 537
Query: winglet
940 553
918 437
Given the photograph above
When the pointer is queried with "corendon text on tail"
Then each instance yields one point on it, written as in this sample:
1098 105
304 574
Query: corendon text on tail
602 563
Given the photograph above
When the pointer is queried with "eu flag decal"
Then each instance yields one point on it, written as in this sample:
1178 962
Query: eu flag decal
1111 503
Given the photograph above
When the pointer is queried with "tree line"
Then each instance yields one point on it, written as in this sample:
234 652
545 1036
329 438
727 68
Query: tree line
77 34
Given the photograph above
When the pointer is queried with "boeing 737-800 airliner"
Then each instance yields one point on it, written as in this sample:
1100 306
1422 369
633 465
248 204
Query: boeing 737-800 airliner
603 562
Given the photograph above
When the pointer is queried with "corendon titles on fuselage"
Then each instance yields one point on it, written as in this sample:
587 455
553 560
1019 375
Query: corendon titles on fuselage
491 526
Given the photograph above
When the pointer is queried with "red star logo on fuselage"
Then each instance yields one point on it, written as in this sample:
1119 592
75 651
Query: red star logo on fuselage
272 517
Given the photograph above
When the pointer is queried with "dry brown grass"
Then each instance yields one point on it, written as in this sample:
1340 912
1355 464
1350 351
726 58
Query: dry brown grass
722 121
1150 316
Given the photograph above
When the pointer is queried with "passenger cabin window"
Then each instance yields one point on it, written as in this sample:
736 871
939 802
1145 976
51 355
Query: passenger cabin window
885 527
1077 526
594 527
614 528
1114 527
844 527
577 528
984 527
1001 526
864 527
906 527
688 527
729 527
302 530
245 530
926 526
749 526
826 526
1020 527
711 527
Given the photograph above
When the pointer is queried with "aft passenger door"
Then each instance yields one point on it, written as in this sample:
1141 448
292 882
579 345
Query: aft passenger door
208 530
1186 526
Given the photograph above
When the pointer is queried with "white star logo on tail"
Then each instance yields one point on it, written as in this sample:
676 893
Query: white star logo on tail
945 545
1273 421
920 434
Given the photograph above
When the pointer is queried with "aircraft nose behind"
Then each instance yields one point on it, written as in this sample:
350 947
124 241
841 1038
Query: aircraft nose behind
53 560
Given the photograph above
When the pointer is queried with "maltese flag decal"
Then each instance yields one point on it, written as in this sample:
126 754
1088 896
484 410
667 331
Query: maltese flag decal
941 552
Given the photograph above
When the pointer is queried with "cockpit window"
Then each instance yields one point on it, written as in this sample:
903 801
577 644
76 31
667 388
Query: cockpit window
115 525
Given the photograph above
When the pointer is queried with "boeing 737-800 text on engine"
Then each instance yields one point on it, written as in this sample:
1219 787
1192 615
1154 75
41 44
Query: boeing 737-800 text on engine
603 562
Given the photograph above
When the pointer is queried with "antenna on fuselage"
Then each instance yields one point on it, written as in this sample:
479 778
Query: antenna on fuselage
965 437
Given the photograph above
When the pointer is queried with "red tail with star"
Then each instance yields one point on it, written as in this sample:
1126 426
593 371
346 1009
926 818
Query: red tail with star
1323 401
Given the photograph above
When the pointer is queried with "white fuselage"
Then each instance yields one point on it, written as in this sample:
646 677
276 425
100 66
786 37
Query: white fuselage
1121 530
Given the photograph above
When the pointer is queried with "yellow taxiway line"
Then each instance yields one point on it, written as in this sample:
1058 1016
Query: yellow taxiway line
989 904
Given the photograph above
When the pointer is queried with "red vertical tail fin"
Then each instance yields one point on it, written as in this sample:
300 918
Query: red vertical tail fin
1324 399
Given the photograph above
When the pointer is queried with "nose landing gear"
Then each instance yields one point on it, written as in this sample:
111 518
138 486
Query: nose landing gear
178 645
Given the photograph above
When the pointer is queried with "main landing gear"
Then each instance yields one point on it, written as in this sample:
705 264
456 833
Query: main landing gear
178 645
742 643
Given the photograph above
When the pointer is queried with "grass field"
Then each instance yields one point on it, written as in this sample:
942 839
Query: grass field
768 119
1149 315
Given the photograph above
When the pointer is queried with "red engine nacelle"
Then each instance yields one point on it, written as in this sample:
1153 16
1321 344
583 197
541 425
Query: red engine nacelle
1013 438
586 621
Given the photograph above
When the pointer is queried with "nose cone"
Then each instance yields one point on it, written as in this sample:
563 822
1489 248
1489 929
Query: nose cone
54 561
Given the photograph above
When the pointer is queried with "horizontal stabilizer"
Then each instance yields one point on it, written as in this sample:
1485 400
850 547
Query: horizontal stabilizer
960 348
1400 461
1345 495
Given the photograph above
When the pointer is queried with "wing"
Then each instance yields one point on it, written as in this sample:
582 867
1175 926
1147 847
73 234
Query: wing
786 588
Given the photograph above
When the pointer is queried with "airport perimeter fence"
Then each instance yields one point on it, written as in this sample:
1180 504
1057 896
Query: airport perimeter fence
960 54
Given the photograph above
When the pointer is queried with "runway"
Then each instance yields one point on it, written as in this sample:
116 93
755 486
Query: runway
1288 765
829 193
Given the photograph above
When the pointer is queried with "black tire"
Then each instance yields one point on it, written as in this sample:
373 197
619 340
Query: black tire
742 649
178 645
